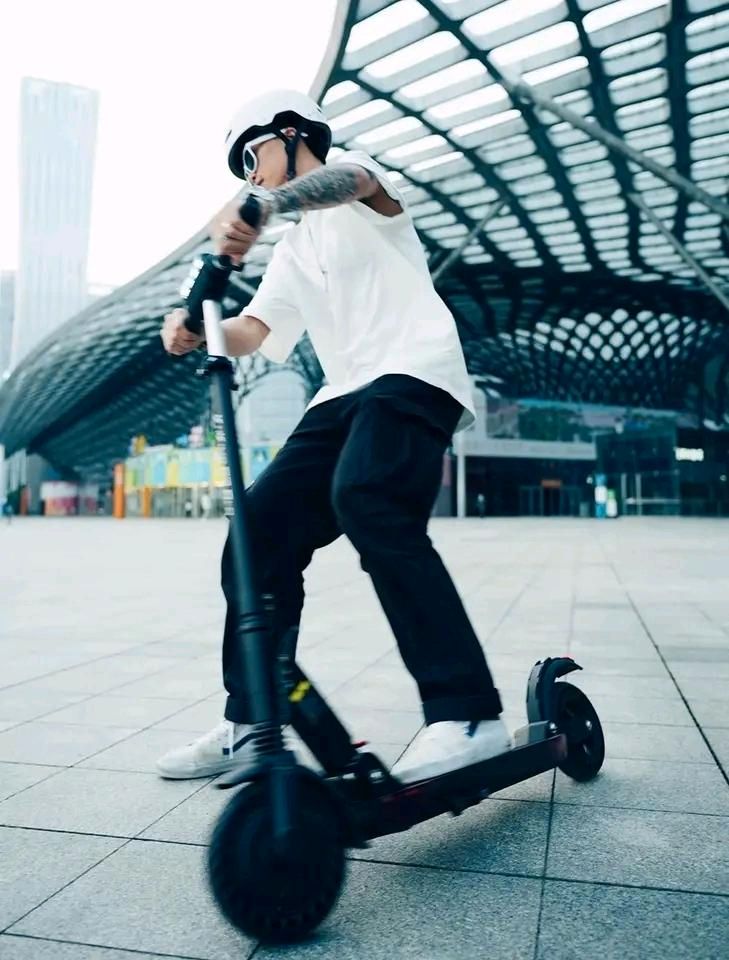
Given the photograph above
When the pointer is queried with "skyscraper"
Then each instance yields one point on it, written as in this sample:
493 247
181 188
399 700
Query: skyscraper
7 306
57 143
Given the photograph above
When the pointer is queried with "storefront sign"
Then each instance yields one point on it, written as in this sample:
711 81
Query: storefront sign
694 454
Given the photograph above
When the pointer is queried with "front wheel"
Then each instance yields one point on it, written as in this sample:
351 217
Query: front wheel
272 896
577 719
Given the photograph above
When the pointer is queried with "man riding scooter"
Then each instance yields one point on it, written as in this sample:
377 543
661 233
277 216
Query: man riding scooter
366 458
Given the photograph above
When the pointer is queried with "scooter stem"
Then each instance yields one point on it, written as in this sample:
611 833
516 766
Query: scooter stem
214 336
252 626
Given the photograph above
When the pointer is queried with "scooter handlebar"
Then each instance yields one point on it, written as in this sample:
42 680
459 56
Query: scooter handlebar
250 211
207 280
209 275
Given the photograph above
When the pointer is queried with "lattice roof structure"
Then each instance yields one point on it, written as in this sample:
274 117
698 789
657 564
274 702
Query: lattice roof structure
576 268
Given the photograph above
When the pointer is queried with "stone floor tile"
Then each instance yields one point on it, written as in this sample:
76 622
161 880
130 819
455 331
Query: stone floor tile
35 864
15 947
141 751
639 847
711 713
718 737
56 744
647 785
15 777
658 742
192 820
95 801
148 897
31 700
129 712
413 914
582 920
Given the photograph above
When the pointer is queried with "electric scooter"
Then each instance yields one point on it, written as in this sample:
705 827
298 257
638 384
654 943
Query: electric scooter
276 860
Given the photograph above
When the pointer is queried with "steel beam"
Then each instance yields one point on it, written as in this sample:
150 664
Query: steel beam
521 90
680 249
455 253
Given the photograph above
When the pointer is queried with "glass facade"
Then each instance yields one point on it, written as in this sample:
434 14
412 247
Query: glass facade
543 458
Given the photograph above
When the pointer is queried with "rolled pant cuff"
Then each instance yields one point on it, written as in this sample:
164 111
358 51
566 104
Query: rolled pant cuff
236 711
463 708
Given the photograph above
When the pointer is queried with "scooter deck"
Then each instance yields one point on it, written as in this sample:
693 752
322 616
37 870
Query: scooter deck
395 810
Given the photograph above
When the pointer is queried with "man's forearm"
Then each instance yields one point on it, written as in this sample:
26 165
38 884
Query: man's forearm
325 187
243 335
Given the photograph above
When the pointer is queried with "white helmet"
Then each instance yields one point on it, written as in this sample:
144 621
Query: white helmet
269 113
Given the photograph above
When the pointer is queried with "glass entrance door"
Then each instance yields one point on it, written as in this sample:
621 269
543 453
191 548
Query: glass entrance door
539 501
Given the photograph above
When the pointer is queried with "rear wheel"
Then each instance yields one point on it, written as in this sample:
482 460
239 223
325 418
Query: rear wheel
273 896
577 719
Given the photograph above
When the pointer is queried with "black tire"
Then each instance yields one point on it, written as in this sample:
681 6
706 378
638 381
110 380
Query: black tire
277 900
576 717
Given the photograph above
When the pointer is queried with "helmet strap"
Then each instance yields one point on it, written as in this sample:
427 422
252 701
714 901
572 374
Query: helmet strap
290 147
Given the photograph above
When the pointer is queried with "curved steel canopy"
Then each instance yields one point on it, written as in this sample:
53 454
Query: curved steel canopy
536 226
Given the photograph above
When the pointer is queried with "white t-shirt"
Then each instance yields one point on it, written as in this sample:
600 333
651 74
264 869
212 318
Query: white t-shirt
358 283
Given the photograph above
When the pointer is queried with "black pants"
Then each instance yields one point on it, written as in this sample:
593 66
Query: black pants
368 465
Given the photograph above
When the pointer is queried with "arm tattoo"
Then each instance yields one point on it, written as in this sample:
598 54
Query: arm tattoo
324 187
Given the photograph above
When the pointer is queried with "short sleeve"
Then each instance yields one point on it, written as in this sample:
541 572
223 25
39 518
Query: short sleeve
362 159
274 304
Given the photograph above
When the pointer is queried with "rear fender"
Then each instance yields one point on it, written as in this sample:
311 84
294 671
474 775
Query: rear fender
540 687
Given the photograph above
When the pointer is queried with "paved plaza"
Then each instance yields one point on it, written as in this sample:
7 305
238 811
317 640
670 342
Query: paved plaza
109 653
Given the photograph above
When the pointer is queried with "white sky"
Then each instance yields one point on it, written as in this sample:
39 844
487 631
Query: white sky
169 73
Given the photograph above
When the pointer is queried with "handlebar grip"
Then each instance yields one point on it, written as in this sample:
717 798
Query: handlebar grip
250 211
207 281
209 276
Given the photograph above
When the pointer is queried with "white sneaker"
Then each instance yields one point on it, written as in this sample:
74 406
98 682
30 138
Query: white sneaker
227 746
450 745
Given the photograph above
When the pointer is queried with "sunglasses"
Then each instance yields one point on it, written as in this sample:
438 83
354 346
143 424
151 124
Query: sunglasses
250 157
